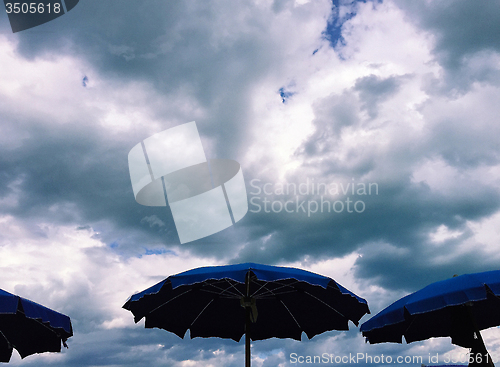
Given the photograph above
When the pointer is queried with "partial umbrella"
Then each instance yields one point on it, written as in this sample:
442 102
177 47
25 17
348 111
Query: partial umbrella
458 307
258 301
29 327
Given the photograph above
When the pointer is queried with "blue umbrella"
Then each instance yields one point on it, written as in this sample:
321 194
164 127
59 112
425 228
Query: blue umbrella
259 301
29 327
458 307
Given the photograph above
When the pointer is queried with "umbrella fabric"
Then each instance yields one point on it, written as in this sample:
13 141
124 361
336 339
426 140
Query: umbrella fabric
454 307
29 327
285 302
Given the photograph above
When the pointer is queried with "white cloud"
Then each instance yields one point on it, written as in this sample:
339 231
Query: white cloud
443 233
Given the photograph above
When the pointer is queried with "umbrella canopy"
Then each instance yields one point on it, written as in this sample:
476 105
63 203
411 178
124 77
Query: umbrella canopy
458 307
29 327
259 301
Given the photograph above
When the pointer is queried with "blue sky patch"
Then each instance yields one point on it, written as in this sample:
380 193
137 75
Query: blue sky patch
333 31
285 94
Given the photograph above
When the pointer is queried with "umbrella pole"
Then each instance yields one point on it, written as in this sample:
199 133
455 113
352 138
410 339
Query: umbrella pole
479 348
247 323
247 337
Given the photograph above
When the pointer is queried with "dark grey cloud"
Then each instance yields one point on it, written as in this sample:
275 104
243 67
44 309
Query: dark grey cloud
373 90
462 30
416 268
467 142
202 48
340 112
173 46
337 112
402 215
80 174
77 177
406 211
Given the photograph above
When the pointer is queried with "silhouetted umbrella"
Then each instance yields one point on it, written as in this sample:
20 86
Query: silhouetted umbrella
458 307
259 301
29 327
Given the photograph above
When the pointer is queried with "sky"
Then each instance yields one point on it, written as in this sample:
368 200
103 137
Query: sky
384 111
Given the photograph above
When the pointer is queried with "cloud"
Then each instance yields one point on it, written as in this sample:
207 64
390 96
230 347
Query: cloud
407 101
373 90
463 33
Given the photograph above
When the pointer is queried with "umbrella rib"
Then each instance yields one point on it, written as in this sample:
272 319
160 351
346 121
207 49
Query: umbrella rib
47 327
217 291
39 322
236 289
411 323
326 304
291 314
204 308
219 281
273 291
257 291
9 344
234 295
225 289
181 294
171 299
270 294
